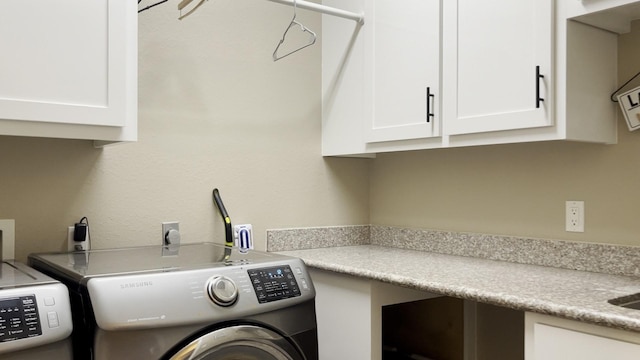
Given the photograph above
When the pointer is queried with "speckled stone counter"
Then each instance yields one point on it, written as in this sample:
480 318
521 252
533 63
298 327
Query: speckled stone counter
600 258
578 295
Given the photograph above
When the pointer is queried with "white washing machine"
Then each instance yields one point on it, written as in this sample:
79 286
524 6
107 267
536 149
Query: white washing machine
197 301
35 315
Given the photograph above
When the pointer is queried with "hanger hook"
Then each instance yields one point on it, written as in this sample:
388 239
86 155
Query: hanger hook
294 23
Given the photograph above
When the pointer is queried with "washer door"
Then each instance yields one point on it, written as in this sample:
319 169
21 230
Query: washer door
243 342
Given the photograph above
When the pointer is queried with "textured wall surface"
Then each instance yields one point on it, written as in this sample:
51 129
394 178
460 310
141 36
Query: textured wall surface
519 189
214 111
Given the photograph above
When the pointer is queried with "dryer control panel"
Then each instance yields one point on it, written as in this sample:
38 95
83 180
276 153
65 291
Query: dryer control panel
35 315
19 318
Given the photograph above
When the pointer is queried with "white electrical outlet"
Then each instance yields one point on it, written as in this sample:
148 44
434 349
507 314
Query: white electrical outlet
574 216
171 233
8 238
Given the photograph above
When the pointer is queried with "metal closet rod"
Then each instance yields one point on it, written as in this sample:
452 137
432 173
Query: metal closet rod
302 4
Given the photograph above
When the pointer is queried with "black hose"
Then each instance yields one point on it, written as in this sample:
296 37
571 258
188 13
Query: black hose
228 230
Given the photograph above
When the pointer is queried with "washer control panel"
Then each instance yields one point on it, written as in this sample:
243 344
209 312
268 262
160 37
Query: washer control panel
19 318
274 283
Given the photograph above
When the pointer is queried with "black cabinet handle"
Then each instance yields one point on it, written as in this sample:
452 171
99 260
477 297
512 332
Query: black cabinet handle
429 97
538 77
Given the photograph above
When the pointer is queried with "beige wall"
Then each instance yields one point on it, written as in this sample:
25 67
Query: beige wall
519 189
214 111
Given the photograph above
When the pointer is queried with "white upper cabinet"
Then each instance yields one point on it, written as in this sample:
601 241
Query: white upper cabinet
343 77
611 15
381 80
500 71
402 69
498 65
69 69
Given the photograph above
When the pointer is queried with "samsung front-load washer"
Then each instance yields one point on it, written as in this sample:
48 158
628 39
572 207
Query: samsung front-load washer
197 301
35 316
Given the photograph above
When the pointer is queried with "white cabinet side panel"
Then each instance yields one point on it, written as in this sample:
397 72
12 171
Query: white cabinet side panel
343 310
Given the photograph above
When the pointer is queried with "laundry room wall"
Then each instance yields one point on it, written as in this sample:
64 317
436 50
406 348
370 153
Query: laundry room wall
519 189
214 111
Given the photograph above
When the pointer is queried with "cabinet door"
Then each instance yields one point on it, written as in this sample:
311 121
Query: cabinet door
402 63
69 62
548 338
493 51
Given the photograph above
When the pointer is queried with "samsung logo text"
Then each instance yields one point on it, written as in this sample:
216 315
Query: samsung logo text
135 285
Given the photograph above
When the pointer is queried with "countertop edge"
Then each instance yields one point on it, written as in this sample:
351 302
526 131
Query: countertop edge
510 300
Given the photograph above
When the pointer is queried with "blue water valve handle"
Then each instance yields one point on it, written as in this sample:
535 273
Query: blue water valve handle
244 239
243 236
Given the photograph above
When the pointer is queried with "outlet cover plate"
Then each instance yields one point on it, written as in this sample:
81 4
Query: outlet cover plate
574 216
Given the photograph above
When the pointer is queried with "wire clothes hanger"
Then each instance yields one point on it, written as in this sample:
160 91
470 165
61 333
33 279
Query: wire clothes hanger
184 3
294 23
357 17
150 6
181 6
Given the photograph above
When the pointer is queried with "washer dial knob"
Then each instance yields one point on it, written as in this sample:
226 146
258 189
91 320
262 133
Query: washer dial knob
222 290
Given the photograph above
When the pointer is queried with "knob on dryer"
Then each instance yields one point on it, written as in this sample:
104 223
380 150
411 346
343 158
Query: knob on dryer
222 290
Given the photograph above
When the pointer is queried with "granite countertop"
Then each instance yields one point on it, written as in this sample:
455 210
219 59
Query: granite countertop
572 294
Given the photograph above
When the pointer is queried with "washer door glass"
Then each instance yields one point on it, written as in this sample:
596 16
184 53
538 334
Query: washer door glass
244 342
